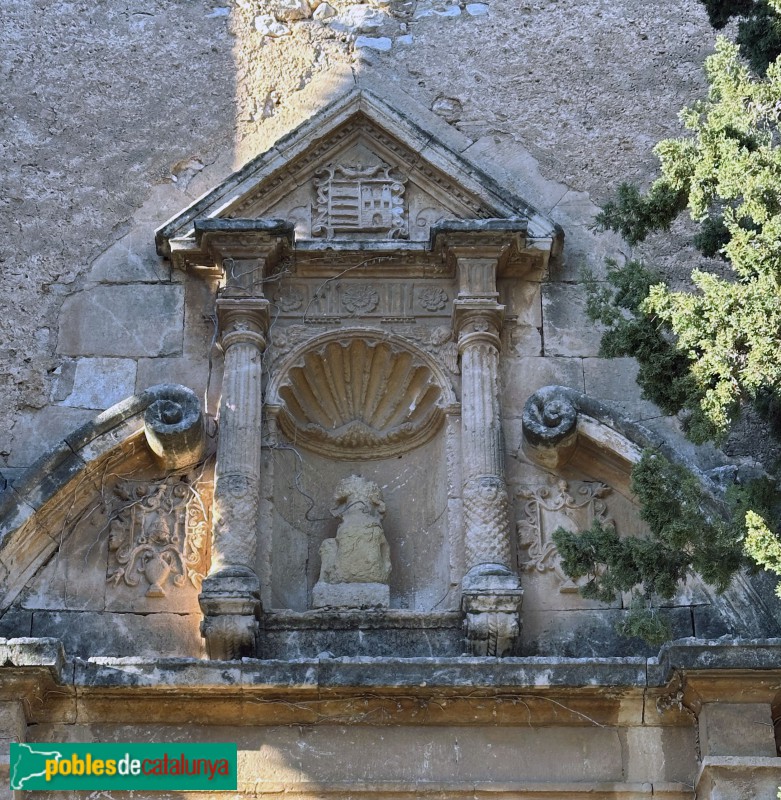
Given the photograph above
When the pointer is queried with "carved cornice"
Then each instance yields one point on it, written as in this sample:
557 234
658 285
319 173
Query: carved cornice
503 241
219 244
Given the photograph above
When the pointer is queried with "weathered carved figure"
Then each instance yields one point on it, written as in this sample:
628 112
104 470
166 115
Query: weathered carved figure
355 565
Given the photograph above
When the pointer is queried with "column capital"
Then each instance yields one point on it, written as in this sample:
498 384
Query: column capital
477 321
243 252
243 319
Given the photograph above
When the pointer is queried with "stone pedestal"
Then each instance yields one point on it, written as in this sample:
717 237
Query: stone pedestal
350 595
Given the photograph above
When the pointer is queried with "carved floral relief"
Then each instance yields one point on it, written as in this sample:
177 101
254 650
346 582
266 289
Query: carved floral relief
360 299
158 535
433 298
570 505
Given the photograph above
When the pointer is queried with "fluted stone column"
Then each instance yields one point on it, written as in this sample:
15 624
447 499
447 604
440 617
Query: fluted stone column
491 591
230 597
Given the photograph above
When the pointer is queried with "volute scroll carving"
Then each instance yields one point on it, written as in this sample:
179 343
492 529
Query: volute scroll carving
549 417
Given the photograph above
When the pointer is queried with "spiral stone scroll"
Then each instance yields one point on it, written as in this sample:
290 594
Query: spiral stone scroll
549 417
173 425
559 423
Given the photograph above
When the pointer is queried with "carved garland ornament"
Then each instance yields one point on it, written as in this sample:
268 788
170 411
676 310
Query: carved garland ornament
158 534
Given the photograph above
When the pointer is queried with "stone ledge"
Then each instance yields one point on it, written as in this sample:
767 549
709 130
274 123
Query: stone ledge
433 673
351 619
565 790
725 653
738 778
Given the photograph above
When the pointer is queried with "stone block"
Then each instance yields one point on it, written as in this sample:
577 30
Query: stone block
16 623
709 623
735 778
664 753
132 320
615 381
133 258
350 595
522 300
567 331
525 340
586 251
522 377
418 755
520 171
13 724
575 208
590 633
101 382
379 634
736 729
87 634
37 431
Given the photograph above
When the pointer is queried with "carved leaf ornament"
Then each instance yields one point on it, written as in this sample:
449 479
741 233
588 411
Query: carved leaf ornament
360 399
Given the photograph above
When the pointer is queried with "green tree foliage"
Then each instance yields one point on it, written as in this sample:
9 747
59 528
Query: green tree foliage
759 27
729 171
707 351
688 533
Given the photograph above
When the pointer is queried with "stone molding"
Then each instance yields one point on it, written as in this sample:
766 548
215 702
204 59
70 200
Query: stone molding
460 187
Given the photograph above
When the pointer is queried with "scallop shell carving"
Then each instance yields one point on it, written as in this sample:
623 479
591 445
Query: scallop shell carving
360 400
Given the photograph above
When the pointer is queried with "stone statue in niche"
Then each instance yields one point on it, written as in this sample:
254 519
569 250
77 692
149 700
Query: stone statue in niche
355 565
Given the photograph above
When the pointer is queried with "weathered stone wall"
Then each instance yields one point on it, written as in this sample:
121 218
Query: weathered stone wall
116 118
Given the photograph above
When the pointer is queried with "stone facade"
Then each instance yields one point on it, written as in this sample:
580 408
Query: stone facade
331 544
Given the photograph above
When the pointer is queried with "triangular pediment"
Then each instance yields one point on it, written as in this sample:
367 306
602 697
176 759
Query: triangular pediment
358 171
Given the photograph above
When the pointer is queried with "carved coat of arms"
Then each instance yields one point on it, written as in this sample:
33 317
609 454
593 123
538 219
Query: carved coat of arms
158 534
545 509
355 199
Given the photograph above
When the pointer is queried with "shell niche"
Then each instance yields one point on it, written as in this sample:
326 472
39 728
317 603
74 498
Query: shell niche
360 399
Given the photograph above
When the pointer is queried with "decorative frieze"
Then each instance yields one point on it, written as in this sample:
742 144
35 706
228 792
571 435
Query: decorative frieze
359 298
313 301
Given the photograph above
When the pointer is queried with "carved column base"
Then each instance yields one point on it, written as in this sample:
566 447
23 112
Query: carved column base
491 601
230 601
